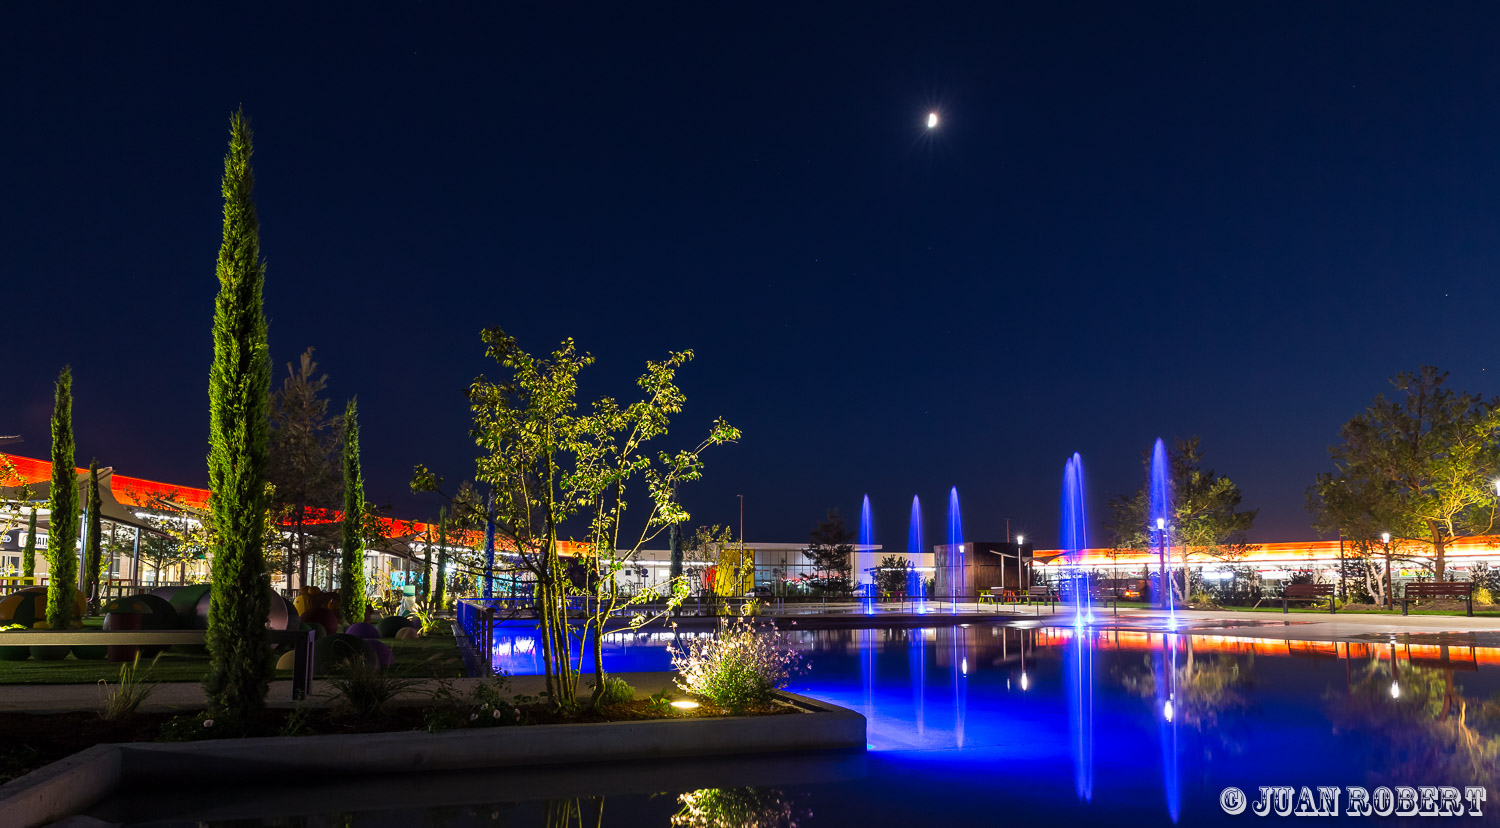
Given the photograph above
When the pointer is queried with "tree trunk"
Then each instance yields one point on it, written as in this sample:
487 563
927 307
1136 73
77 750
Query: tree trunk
1438 549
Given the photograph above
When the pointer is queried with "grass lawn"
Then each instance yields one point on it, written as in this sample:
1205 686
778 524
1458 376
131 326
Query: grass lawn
434 656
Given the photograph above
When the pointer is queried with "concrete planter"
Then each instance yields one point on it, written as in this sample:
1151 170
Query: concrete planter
73 784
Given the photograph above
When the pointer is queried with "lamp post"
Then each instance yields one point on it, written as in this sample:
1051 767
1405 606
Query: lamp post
1020 574
1390 581
1161 536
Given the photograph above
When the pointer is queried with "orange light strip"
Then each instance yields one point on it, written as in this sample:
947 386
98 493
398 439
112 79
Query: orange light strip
1306 552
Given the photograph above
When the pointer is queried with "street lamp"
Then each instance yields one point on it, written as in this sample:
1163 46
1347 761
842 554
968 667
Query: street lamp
1390 582
1020 574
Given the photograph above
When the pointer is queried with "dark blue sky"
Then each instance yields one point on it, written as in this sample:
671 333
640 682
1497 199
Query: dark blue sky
1167 219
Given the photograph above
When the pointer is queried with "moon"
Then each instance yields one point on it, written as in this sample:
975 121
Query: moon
932 120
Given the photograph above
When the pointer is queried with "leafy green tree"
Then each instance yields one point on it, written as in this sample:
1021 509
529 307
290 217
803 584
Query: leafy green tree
611 454
28 553
62 540
890 578
548 464
830 547
239 402
1427 459
94 542
1359 511
352 585
303 464
1206 516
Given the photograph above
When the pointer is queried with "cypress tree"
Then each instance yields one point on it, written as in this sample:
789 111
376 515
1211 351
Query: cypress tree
239 394
352 590
93 543
28 554
440 584
62 540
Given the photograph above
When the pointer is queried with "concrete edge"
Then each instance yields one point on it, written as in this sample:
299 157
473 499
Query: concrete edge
61 789
71 785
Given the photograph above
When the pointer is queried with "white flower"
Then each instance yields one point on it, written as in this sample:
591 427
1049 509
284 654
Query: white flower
473 716
496 713
208 722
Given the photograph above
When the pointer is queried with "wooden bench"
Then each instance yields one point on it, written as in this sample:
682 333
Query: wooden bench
1439 589
1308 592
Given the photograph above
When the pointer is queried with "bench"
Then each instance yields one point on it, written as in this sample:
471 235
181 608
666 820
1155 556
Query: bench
1308 592
1439 589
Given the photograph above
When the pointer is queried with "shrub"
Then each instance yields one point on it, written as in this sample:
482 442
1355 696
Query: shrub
122 699
1482 595
485 706
740 665
364 688
616 691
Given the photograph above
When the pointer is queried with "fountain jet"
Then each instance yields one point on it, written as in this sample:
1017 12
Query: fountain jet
1161 524
955 546
916 587
864 576
1074 535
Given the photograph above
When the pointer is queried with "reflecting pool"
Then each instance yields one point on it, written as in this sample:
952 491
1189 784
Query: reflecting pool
988 724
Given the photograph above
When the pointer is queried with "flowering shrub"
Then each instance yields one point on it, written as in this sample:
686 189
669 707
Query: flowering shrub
740 665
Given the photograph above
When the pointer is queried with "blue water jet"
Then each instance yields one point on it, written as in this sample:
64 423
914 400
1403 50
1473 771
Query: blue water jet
916 586
1161 525
864 575
1074 536
955 546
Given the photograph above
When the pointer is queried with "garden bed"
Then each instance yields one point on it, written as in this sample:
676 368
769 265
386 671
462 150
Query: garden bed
37 739
395 741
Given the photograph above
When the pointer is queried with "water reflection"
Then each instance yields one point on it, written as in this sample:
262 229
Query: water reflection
738 808
1415 719
1080 679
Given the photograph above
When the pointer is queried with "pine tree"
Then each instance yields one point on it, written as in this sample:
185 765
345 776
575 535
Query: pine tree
239 393
93 543
352 591
28 554
62 541
441 584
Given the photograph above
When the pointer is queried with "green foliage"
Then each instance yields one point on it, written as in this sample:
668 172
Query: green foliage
486 705
123 698
720 807
239 396
62 540
94 542
297 723
302 462
615 691
890 578
831 549
363 688
28 554
1205 510
660 702
352 585
741 665
1420 466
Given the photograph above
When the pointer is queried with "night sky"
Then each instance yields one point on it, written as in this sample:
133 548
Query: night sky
1231 220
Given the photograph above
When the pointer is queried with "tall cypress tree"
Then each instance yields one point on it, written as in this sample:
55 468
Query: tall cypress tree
62 540
239 393
441 584
28 553
93 542
352 588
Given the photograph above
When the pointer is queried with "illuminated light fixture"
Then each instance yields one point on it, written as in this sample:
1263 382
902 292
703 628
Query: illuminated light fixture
1021 539
685 704
1161 523
1385 537
1025 682
964 667
1395 690
931 120
1166 710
